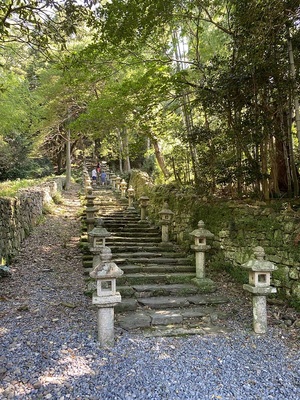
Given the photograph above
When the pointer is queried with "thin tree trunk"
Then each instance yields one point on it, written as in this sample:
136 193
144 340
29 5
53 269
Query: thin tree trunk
120 151
159 157
294 86
185 112
264 168
68 161
288 168
294 173
274 168
127 167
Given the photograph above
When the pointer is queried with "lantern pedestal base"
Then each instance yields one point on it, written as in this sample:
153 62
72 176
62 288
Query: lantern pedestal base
205 284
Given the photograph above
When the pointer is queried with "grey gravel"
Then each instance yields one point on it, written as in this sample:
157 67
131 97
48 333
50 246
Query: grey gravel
49 349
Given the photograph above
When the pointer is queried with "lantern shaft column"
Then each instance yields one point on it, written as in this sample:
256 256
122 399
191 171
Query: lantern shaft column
200 264
200 247
259 314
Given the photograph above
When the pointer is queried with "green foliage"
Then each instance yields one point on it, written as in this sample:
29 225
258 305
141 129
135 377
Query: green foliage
202 86
10 188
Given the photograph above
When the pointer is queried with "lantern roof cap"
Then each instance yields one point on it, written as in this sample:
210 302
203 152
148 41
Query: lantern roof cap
107 268
99 232
166 209
259 264
201 231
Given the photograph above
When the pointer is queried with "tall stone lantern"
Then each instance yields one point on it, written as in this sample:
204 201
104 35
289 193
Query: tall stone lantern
113 180
144 202
90 217
97 239
130 193
118 182
259 285
200 247
165 221
90 197
106 297
87 182
123 187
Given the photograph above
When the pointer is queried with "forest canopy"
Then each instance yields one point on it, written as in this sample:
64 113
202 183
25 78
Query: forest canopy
202 93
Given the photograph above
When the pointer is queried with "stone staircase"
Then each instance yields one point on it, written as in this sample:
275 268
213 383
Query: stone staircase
157 294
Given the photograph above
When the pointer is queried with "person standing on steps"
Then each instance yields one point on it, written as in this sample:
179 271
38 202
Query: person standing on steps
103 177
94 176
98 168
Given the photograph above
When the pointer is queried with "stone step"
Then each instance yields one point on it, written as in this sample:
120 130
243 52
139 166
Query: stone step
133 226
148 255
122 212
130 224
136 234
119 240
137 229
120 218
135 245
125 258
150 290
132 248
153 268
155 278
187 303
173 322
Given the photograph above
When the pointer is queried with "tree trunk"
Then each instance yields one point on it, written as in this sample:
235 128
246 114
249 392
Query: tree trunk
294 172
294 85
68 161
97 148
127 166
185 112
274 169
264 168
159 157
120 151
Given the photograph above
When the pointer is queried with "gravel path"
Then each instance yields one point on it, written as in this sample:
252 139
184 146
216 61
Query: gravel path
48 346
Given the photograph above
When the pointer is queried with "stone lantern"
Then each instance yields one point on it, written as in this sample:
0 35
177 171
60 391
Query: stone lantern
106 297
90 217
259 285
130 193
123 187
90 197
113 180
118 182
200 247
165 220
97 240
144 202
87 182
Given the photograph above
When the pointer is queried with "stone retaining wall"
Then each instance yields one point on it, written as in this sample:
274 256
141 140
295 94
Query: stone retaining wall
19 214
238 227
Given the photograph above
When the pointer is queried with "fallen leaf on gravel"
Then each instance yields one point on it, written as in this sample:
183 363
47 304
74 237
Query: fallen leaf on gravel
23 308
69 305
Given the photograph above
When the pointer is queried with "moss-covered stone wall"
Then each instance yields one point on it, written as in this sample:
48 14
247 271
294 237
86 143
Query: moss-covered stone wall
19 214
238 227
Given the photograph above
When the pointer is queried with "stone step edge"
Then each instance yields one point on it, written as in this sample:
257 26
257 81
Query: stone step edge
198 318
161 331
